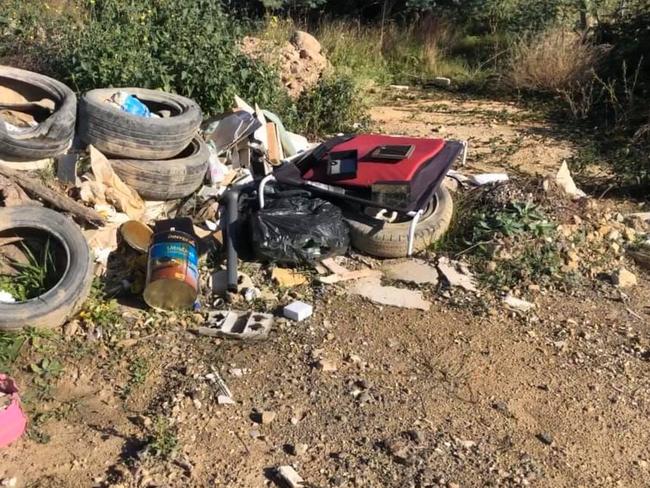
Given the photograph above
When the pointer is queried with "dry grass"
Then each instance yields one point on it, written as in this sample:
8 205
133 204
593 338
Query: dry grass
556 60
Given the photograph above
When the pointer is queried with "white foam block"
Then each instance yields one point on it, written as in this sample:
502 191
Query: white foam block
298 311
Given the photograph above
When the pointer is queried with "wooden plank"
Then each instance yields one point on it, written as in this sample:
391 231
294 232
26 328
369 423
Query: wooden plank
54 198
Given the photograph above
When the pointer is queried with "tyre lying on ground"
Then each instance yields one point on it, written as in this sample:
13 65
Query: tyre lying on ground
45 113
55 245
118 133
166 179
385 239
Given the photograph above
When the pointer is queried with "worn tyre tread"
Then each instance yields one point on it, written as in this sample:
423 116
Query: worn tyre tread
124 135
165 179
391 240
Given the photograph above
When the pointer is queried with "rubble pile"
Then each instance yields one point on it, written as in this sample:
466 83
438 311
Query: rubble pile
301 61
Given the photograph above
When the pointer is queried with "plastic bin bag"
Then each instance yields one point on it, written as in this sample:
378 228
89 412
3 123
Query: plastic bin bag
299 230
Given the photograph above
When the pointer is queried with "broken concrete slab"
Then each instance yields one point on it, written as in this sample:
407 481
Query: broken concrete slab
457 274
349 276
412 271
373 290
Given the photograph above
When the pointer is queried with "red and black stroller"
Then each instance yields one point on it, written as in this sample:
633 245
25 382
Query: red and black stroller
389 187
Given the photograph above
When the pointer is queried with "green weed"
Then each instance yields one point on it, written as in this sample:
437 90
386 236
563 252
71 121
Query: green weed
12 344
138 371
32 278
163 442
46 372
102 315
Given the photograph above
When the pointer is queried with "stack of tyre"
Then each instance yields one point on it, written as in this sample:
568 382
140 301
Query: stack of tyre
162 158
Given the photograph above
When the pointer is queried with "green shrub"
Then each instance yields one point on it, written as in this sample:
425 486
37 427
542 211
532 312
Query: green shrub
332 106
184 46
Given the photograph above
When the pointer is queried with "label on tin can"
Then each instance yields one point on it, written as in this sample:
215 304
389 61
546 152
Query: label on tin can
174 260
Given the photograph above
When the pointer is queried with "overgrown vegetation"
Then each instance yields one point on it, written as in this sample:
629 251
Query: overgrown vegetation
587 57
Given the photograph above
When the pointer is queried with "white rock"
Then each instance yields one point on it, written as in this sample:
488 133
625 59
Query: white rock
624 278
290 477
517 304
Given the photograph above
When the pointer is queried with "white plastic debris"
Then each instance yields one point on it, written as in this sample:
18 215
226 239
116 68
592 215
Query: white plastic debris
565 181
487 178
6 297
298 311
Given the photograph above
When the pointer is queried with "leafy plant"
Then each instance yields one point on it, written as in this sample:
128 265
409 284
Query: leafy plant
163 442
32 278
46 371
332 106
11 345
138 371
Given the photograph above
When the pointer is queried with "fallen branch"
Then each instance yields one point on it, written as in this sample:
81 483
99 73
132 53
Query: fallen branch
56 199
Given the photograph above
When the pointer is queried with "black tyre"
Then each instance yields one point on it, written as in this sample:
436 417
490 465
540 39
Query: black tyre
121 134
60 302
166 179
390 240
53 135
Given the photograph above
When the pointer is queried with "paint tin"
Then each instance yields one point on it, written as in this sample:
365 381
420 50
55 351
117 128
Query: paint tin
136 234
172 267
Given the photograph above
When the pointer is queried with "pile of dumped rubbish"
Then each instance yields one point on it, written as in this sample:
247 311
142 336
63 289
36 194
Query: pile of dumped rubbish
164 207
157 189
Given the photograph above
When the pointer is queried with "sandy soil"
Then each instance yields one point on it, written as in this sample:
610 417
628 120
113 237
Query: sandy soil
465 395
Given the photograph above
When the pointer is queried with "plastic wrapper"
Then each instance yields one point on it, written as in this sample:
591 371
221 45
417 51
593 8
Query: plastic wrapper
299 230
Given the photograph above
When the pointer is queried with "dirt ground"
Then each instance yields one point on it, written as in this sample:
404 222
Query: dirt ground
467 394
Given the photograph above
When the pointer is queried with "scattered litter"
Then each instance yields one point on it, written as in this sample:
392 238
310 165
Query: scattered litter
517 304
137 235
242 326
109 188
457 274
299 230
289 476
58 200
102 243
349 275
130 104
487 178
287 278
66 168
224 395
399 87
6 297
252 293
412 271
441 81
298 311
373 290
12 418
220 282
565 181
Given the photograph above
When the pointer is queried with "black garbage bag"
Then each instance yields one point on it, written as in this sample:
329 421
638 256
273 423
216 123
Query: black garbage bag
299 230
